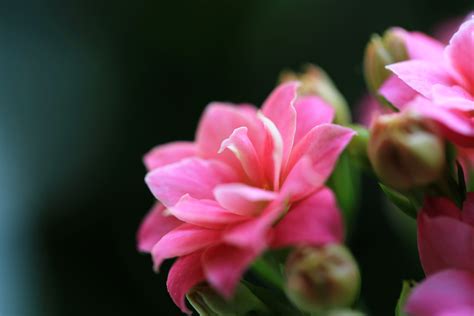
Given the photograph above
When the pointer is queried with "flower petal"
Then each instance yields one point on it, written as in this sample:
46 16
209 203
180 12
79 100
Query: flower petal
224 265
447 293
323 145
154 226
168 153
204 213
421 75
181 241
241 145
254 233
193 176
397 92
453 97
185 273
218 122
311 111
445 242
272 152
280 110
460 52
421 46
456 126
314 221
243 199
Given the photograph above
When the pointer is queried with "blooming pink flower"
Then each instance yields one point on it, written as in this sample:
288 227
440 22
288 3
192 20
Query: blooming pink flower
442 79
250 180
446 235
446 293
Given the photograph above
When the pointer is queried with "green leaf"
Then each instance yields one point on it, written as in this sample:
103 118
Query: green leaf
405 204
406 289
345 182
209 303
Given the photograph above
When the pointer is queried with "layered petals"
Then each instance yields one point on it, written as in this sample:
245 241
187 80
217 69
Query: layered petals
446 236
168 153
185 273
224 265
251 180
421 75
323 145
279 108
314 221
155 225
193 176
242 147
243 199
183 240
311 111
460 53
204 213
447 293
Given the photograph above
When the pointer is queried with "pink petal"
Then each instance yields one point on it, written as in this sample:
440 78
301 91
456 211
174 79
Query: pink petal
204 213
453 97
455 126
154 226
240 144
445 242
467 213
323 145
168 153
280 110
397 92
224 265
254 233
460 53
302 181
272 157
449 292
421 75
314 221
193 176
185 273
243 199
311 111
218 122
421 46
183 240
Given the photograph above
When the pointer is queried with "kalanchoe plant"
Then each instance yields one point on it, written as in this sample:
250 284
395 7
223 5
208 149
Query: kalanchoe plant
253 180
267 191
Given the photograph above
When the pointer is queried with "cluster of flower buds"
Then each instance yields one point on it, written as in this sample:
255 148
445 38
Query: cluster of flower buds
423 143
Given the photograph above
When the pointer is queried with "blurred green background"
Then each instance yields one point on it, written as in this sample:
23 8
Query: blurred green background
87 87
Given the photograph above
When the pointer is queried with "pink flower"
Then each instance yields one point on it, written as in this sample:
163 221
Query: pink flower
442 79
446 293
251 180
446 235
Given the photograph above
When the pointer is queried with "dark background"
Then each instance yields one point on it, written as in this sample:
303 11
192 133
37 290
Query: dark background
87 87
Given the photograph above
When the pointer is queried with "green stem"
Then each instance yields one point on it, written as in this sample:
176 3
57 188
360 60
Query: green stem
268 273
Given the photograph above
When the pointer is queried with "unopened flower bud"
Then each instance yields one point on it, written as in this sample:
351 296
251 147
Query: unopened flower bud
316 82
404 152
319 279
206 301
382 51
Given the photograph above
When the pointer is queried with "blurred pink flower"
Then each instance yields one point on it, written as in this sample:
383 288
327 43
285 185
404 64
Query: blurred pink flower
250 180
446 235
446 293
442 79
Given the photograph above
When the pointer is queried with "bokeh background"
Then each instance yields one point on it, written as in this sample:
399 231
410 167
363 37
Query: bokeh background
87 87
